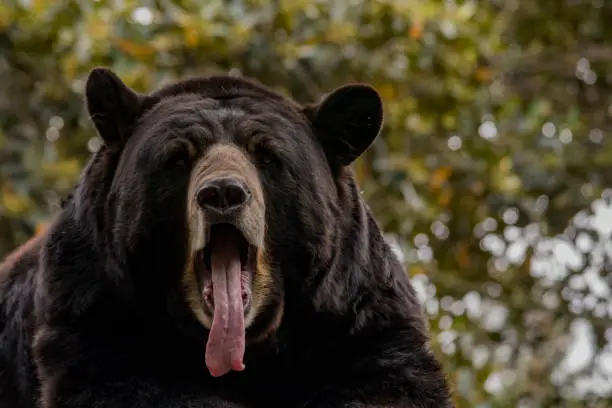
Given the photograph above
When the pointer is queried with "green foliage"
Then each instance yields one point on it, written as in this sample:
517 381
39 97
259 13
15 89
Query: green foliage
490 175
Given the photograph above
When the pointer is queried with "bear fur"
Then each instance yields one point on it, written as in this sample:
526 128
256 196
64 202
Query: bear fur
93 313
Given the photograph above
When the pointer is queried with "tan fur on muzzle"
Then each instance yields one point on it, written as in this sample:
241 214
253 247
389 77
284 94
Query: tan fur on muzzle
223 160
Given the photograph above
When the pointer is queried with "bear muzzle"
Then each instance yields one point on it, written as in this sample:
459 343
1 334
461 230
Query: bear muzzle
227 282
225 268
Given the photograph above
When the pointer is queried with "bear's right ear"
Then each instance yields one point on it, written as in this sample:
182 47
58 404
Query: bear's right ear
113 106
346 122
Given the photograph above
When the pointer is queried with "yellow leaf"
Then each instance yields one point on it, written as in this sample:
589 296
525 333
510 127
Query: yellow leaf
134 49
387 91
98 29
240 35
14 204
341 33
505 164
70 65
439 177
416 270
192 38
483 74
163 42
449 121
40 5
7 15
416 31
445 197
66 169
466 11
416 168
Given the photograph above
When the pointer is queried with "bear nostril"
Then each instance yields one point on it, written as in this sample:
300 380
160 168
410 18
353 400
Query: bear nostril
222 195
235 194
209 196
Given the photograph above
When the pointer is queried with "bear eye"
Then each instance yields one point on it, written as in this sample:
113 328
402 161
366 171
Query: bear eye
178 159
180 155
264 155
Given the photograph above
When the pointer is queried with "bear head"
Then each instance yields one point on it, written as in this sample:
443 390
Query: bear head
224 194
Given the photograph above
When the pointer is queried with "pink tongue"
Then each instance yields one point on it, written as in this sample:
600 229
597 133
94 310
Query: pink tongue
225 347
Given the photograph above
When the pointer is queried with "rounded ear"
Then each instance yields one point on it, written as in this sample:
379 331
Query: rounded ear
347 122
113 106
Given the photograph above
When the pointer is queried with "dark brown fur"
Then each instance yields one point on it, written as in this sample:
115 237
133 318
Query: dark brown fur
94 313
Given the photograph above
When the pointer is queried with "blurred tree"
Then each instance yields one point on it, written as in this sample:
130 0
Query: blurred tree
492 175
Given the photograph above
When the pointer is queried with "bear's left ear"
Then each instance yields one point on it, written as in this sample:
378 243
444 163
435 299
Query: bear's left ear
347 122
113 106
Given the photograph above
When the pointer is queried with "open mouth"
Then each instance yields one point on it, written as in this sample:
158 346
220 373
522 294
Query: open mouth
229 248
224 270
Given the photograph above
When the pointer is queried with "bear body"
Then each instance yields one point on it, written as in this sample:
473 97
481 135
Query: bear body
216 252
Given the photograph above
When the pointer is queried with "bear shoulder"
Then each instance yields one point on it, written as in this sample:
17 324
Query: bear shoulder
17 287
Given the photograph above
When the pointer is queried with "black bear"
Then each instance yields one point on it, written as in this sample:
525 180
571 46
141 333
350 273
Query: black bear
216 252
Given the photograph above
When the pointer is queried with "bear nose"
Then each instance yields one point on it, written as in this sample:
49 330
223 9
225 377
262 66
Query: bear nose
223 195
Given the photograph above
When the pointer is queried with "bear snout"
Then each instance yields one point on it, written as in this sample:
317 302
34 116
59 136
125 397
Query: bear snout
223 196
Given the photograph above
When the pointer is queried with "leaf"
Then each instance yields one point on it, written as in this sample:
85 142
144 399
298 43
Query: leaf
14 204
483 74
416 31
439 177
134 49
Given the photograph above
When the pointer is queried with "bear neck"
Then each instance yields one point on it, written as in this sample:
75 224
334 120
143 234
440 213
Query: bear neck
358 251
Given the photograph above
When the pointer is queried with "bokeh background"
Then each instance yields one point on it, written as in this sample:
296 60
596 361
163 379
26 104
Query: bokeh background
492 176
